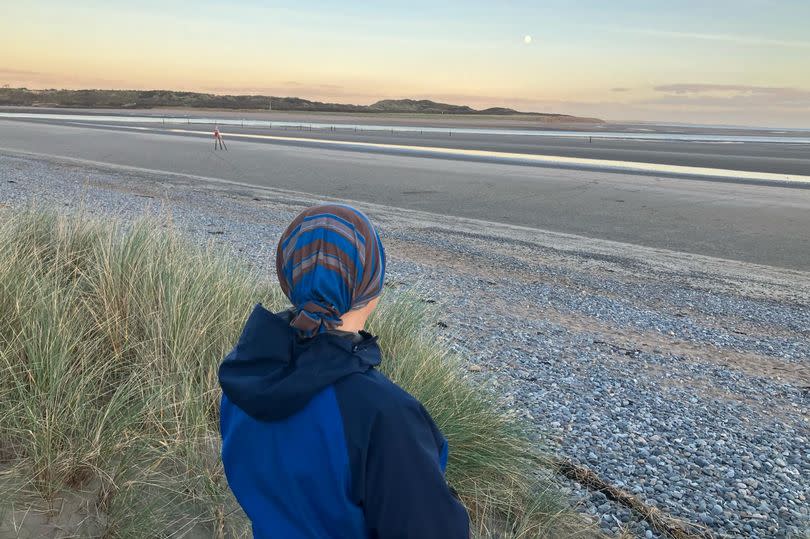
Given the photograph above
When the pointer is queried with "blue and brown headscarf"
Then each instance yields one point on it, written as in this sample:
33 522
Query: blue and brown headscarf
330 260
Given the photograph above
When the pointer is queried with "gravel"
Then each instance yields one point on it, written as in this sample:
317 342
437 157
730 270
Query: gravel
682 379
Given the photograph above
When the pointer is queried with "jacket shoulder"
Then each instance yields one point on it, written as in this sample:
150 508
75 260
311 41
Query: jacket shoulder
374 410
373 393
397 457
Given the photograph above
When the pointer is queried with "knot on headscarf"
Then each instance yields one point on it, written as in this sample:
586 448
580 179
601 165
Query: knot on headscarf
329 261
311 317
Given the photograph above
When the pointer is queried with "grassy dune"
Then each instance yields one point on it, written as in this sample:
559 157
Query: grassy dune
147 99
110 337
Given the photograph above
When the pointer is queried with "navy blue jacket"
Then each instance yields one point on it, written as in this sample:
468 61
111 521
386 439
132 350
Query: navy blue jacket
317 443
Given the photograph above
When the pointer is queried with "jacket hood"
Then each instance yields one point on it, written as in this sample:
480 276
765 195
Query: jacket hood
273 373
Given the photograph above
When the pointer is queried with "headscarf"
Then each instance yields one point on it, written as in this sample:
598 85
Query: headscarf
329 261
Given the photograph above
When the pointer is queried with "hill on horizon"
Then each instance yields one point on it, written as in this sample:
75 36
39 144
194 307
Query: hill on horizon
146 99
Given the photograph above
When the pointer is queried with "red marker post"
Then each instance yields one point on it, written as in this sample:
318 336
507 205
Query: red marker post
218 140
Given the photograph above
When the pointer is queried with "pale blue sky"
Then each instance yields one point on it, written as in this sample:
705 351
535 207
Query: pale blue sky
743 61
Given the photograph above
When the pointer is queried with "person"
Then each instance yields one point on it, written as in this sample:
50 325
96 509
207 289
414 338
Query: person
316 442
218 139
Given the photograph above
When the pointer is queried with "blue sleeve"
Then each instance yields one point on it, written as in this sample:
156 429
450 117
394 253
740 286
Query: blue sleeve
406 494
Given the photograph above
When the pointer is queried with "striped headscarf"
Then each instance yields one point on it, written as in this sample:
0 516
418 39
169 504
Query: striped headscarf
329 261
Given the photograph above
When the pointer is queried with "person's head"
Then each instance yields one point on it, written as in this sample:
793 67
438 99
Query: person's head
331 265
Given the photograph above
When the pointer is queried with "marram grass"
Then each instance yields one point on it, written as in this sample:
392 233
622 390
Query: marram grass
110 337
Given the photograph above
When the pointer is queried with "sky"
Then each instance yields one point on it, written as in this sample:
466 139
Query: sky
739 62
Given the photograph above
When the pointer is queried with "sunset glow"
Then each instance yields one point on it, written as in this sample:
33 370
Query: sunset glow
739 62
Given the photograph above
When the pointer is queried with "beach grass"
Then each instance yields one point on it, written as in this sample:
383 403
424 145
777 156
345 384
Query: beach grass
110 338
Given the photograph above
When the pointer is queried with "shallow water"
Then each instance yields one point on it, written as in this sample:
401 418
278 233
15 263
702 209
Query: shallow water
178 120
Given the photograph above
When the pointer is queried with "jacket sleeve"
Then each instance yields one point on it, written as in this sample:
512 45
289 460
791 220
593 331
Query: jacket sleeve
406 494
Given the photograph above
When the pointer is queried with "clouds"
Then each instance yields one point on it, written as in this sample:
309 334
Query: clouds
619 90
723 38
46 79
734 88
5 72
320 87
732 95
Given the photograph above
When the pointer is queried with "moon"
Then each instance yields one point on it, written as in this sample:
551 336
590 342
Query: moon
527 39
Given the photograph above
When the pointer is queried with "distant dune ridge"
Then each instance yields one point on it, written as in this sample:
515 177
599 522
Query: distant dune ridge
146 99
